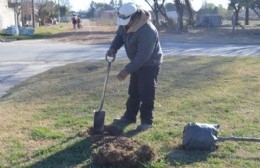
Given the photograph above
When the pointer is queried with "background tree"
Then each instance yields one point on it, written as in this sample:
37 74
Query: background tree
46 10
96 9
190 12
255 6
236 5
63 3
158 8
26 11
222 11
100 7
120 3
64 10
208 8
63 7
92 9
247 12
247 5
182 7
112 4
179 10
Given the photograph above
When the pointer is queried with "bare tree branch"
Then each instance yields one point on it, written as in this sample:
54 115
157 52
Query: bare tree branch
256 12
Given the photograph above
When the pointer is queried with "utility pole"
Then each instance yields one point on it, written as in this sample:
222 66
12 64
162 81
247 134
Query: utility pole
33 18
59 11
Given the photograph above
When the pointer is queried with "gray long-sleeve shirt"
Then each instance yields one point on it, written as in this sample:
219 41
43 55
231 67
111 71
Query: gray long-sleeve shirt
142 46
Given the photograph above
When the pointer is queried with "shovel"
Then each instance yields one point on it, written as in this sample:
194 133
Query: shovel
99 115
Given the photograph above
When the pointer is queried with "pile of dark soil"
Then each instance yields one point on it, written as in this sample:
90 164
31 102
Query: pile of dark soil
121 151
113 149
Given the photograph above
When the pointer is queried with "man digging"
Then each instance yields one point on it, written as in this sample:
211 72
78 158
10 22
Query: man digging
140 38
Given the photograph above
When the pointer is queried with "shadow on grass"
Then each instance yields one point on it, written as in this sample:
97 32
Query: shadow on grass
182 157
122 126
73 155
179 156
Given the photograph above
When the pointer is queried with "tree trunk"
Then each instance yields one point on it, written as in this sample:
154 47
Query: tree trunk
236 17
190 13
156 13
180 14
33 16
247 15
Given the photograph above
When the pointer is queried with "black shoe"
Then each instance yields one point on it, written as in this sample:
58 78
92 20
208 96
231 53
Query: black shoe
143 127
123 120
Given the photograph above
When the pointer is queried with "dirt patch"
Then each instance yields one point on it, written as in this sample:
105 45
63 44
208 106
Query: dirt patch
90 33
122 152
94 33
84 37
113 149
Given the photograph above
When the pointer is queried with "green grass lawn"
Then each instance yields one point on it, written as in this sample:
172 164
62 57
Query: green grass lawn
46 31
41 32
41 117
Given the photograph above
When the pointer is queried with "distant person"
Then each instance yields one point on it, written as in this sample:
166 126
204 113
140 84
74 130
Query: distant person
140 38
78 22
74 21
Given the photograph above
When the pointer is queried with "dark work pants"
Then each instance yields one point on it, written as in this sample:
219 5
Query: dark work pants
142 94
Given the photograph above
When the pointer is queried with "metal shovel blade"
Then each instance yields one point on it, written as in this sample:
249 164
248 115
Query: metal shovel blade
99 116
99 120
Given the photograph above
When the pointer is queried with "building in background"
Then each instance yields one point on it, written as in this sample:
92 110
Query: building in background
209 20
8 13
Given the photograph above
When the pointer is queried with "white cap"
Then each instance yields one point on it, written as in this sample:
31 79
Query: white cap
125 12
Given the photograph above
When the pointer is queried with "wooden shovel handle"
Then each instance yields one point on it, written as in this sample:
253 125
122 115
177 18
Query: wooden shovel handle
249 139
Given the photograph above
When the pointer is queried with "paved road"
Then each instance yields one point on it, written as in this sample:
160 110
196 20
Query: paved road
22 59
